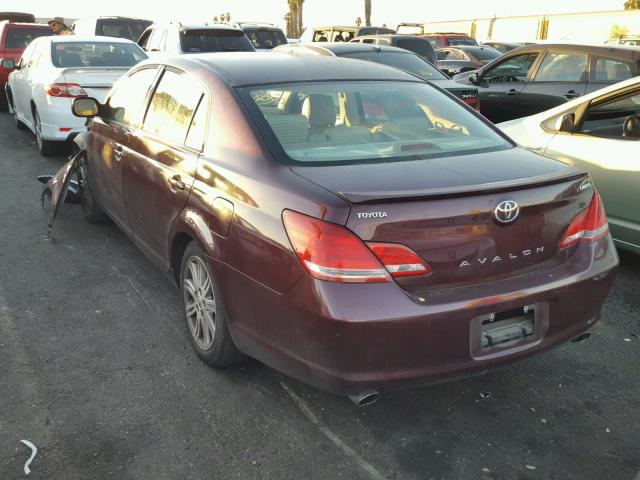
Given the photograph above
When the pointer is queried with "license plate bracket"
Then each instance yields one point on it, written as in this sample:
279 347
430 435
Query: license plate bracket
506 331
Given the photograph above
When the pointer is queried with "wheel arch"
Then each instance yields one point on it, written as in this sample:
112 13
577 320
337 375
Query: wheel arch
189 226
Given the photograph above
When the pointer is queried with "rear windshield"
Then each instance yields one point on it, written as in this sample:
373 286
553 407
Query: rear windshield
367 121
419 46
484 53
211 40
119 28
375 31
95 54
21 37
265 38
453 41
405 61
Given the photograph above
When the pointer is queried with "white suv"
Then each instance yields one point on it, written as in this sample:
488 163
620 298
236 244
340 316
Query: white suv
53 71
175 38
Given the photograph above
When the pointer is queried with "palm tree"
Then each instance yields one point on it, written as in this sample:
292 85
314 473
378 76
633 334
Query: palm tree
295 10
367 13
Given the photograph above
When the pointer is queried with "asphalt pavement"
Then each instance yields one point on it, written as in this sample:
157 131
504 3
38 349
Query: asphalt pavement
96 371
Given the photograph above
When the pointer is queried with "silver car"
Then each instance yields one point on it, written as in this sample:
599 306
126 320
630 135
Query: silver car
600 133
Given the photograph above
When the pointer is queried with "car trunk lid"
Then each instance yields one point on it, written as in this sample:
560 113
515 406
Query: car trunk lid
445 210
96 81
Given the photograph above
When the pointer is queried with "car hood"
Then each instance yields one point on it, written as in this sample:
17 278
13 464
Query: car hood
437 177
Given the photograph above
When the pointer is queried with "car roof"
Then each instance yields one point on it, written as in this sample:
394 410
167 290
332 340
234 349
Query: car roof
581 47
253 68
10 24
444 34
85 38
394 35
340 48
260 25
337 27
210 26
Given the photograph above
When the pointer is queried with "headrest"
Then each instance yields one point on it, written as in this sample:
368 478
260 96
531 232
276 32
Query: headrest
319 110
618 72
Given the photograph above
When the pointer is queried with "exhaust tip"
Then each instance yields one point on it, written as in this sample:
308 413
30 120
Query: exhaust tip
582 337
365 399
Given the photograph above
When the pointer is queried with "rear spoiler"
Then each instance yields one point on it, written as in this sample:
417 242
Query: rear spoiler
570 174
94 69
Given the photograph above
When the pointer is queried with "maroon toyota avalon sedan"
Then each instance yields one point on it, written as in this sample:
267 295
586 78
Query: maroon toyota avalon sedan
343 221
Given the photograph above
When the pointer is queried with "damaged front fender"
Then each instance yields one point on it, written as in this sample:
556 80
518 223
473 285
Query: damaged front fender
57 187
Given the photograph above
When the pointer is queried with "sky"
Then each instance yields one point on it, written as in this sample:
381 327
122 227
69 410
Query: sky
316 12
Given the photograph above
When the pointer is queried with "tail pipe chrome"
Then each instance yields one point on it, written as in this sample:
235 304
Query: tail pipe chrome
363 399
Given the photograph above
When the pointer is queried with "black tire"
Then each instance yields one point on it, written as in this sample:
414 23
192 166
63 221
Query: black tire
90 210
19 124
222 352
45 147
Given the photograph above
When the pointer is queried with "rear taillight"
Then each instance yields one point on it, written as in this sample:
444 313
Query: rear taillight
473 102
400 261
69 90
332 252
589 225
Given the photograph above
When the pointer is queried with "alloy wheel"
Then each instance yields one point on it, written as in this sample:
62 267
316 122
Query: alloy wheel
199 302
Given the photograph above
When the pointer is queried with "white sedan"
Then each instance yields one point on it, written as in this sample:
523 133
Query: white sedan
55 70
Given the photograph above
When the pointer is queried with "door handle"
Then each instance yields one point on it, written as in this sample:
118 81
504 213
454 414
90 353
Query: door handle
512 92
571 94
118 153
177 183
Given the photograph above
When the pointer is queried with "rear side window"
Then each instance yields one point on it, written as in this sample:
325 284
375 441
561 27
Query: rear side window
95 54
265 38
562 67
127 102
129 29
198 128
20 38
172 107
610 70
211 40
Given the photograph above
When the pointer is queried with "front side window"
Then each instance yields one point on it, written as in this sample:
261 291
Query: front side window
95 54
360 121
616 118
610 70
172 107
515 69
127 102
562 67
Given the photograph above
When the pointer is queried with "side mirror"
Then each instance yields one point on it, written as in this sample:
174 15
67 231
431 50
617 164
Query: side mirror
474 78
567 123
85 107
8 64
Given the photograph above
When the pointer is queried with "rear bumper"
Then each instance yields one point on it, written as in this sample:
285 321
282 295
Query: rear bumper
347 338
58 123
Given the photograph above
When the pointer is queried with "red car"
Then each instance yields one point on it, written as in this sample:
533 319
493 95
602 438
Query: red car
14 38
440 40
354 249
